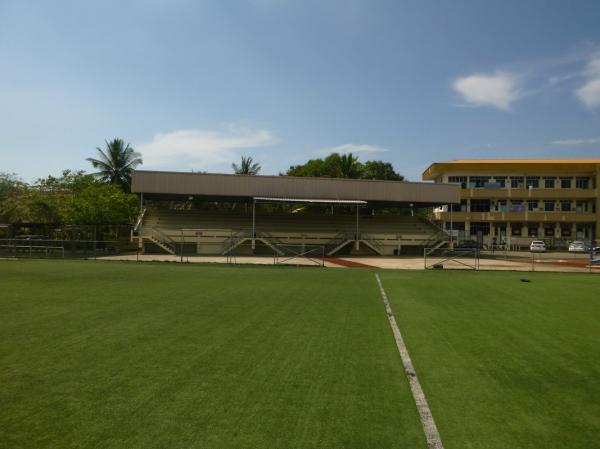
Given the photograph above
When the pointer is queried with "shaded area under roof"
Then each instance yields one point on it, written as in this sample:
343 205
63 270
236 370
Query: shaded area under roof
261 199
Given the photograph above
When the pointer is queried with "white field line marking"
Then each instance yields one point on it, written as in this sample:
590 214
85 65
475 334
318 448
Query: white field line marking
431 433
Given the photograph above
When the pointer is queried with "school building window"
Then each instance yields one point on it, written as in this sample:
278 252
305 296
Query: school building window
462 180
533 182
532 230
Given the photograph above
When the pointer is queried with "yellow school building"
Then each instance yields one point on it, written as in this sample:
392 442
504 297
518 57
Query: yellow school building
516 201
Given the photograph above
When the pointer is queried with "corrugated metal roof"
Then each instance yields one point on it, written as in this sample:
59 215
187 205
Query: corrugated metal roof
245 186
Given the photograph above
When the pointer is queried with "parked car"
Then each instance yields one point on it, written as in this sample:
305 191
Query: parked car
577 247
537 246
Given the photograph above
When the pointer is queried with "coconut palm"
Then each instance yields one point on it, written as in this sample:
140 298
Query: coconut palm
116 163
247 167
348 166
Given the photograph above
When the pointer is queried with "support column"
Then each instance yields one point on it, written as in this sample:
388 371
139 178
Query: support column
356 243
253 224
597 215
451 227
141 228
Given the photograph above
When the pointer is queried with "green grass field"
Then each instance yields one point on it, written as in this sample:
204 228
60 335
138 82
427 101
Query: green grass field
125 355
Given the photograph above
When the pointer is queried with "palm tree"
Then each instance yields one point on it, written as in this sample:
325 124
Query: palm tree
116 163
349 167
247 167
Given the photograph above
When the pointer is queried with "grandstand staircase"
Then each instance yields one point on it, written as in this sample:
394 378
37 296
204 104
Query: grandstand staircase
337 243
372 243
439 237
271 241
246 236
234 241
163 241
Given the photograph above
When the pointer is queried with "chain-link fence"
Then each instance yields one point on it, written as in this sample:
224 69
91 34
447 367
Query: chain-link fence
557 261
480 259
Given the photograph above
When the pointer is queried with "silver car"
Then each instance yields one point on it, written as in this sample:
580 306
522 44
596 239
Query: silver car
577 247
537 246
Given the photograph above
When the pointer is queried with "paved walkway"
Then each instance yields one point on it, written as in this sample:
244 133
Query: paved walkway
548 262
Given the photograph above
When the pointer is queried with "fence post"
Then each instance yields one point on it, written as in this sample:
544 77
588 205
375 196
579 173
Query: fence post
181 249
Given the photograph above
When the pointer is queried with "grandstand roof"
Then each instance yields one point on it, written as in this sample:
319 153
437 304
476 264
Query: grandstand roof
160 184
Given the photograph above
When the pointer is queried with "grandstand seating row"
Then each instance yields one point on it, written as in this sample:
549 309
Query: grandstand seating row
212 232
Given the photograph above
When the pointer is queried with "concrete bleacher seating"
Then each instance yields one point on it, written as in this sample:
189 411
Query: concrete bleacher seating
211 231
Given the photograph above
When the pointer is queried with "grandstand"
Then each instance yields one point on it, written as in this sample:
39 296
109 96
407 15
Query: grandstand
180 214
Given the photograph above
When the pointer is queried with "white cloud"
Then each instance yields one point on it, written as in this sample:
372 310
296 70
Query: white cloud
572 142
201 149
589 93
593 67
499 90
351 148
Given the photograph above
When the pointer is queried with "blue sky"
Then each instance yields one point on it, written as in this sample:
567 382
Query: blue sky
193 85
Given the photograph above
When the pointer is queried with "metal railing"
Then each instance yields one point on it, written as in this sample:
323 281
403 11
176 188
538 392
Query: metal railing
163 239
139 220
64 249
461 258
309 254
236 238
341 237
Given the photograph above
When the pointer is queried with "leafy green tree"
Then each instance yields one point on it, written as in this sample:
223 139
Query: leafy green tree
380 170
116 163
47 200
330 167
12 189
312 168
72 198
20 202
32 205
246 167
9 183
101 204
69 181
345 166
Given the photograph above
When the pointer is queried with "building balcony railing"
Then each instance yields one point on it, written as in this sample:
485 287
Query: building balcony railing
573 216
550 194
